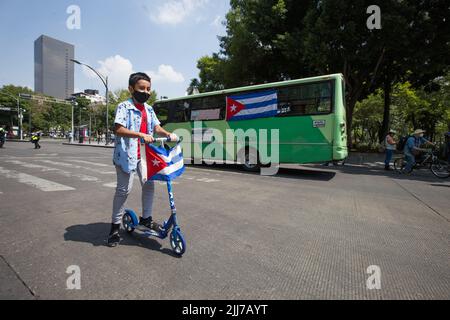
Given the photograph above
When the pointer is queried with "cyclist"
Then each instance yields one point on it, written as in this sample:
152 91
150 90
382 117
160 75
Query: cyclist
447 146
412 148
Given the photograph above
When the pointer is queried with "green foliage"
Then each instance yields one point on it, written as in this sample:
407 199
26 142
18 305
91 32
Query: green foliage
368 118
271 40
411 109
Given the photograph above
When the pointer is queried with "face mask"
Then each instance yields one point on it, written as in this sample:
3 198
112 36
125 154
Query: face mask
141 97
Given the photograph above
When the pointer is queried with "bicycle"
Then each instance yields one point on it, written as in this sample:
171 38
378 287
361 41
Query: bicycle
430 160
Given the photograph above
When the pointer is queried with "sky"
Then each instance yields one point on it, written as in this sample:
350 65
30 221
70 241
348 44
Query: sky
163 38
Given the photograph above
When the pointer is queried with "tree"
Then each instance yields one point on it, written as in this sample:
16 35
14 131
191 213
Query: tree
8 95
368 118
194 84
270 40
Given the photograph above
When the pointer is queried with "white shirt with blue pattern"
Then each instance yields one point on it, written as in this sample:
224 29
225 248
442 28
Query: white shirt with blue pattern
128 116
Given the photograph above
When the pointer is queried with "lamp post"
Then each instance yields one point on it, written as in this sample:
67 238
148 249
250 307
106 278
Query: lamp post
105 82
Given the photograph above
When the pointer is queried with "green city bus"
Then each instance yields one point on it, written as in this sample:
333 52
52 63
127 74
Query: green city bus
310 117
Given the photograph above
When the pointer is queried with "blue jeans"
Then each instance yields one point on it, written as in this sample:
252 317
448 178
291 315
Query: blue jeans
410 162
389 154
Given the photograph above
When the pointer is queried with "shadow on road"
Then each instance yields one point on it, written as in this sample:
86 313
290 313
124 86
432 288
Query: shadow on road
290 173
96 234
423 174
440 185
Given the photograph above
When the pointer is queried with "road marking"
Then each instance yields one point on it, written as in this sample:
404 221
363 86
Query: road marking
91 163
74 166
67 174
110 185
207 180
163 183
47 154
39 183
218 171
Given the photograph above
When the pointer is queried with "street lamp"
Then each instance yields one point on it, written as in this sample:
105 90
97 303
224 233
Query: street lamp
105 82
19 113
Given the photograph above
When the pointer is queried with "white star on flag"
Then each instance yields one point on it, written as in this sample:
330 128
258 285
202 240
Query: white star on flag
233 108
156 162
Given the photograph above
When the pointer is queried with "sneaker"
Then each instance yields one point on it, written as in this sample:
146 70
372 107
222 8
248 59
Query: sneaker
114 236
149 223
114 239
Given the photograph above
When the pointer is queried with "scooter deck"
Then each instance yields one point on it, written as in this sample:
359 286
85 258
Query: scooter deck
149 232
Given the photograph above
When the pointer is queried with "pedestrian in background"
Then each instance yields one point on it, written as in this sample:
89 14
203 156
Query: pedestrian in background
35 139
390 145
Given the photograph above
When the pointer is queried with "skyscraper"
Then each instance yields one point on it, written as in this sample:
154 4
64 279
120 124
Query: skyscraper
53 70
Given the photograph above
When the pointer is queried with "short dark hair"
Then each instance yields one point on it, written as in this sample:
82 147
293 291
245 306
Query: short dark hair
135 77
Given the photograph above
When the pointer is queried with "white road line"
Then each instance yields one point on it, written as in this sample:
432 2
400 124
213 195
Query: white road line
74 166
41 184
110 185
67 174
207 180
163 183
212 170
91 163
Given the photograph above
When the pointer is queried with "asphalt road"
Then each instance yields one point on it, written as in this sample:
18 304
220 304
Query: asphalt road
308 233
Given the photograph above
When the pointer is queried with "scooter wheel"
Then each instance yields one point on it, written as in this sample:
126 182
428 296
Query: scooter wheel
127 222
177 242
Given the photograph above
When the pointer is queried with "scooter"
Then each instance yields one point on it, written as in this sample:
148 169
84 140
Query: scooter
130 221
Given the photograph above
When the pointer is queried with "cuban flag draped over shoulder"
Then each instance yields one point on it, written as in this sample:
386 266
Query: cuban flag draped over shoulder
159 163
253 105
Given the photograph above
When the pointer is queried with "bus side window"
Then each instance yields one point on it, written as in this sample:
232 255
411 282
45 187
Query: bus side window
306 99
162 112
209 108
179 111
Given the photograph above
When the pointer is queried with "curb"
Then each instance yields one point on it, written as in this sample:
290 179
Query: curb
87 145
13 140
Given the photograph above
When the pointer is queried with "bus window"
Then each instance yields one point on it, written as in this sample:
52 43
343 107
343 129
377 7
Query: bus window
208 108
310 99
179 111
162 112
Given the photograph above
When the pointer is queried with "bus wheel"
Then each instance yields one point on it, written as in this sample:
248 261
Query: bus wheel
250 161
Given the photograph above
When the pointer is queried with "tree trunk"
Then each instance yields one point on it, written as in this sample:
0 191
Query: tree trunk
387 107
349 112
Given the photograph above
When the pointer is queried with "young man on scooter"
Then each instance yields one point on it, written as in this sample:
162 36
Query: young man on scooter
135 122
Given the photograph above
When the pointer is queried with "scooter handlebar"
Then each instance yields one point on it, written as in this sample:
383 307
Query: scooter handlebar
164 140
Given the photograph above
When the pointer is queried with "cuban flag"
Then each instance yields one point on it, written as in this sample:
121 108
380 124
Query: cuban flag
254 105
159 163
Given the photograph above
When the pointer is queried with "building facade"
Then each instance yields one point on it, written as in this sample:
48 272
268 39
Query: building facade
53 70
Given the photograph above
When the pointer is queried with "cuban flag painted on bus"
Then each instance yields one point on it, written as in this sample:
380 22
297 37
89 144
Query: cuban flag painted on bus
253 105
159 163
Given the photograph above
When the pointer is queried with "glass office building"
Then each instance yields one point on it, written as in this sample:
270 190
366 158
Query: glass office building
53 70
